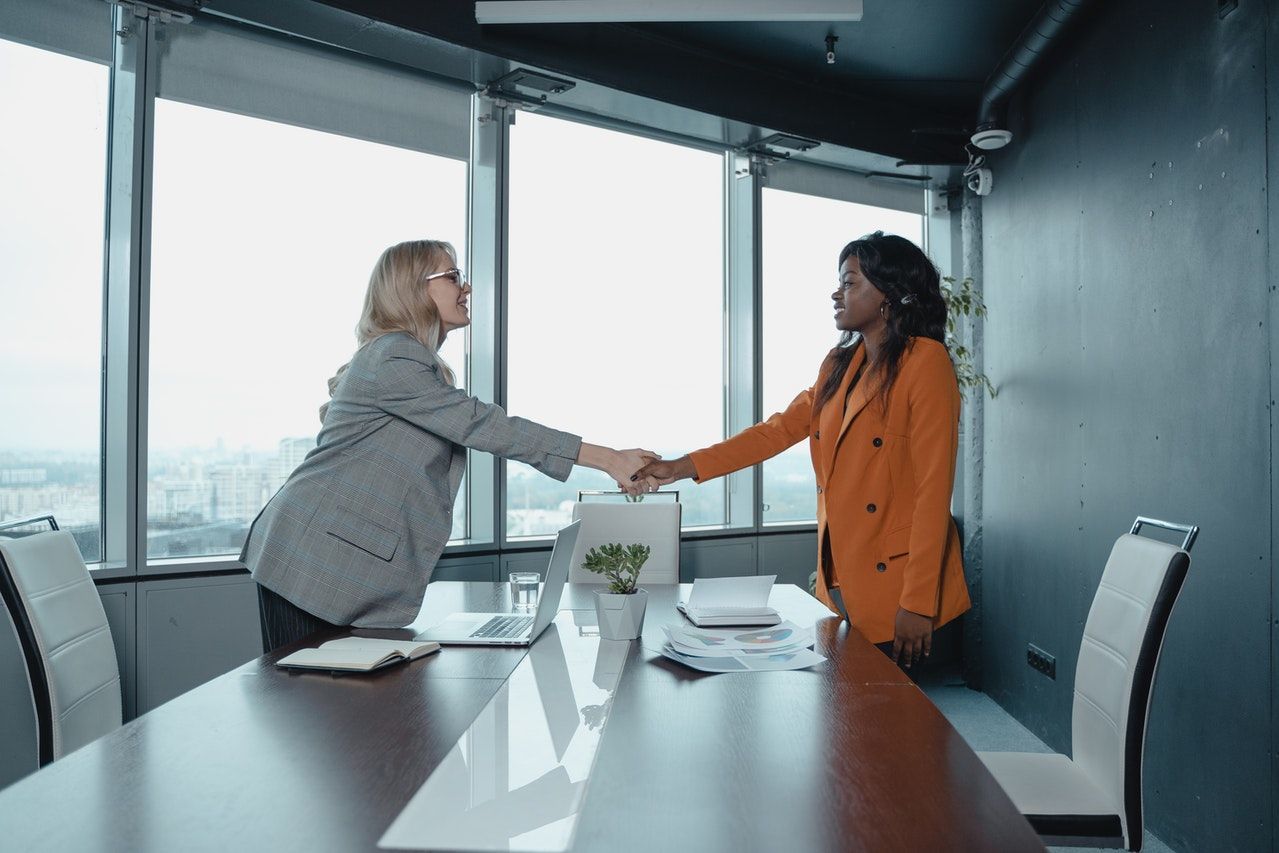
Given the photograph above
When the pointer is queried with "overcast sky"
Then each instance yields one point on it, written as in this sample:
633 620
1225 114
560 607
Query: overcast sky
263 236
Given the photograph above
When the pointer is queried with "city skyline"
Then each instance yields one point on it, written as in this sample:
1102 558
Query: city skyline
200 501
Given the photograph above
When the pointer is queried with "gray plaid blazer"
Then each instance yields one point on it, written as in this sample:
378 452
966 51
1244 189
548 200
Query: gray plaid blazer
354 534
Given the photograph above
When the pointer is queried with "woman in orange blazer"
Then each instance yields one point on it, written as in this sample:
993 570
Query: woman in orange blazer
882 421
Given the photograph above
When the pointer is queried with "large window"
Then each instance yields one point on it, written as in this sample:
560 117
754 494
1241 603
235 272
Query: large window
802 238
272 175
263 237
53 155
616 305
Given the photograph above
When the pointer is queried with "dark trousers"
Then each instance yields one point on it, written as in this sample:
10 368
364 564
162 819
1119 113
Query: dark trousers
948 642
283 622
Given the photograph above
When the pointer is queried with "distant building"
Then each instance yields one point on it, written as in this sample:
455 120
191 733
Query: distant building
177 498
22 476
237 492
289 456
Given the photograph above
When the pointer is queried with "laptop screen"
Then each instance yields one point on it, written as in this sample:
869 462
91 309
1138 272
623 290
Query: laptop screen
556 576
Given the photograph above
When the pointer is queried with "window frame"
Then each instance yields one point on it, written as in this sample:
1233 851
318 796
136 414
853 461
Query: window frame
738 277
85 31
134 81
126 317
826 182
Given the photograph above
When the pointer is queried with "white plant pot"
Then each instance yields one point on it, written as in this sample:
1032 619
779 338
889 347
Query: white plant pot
621 617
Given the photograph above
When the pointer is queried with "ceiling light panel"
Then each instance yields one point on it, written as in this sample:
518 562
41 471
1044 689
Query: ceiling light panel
633 11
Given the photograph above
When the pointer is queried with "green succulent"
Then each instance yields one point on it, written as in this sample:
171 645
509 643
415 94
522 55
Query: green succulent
619 564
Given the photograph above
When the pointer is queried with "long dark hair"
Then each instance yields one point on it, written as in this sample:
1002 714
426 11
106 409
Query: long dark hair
912 287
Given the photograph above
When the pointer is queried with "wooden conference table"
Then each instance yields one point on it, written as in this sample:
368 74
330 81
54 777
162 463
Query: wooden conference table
846 756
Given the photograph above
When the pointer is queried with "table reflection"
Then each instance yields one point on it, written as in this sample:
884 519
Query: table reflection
516 778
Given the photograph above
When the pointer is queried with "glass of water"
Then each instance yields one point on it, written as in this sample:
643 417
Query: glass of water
524 590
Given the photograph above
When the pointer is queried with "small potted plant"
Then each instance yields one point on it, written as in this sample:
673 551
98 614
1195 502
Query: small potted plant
621 608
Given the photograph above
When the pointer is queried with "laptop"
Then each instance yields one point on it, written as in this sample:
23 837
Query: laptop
512 629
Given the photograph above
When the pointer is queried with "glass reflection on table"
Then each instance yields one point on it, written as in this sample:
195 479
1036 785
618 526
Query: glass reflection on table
516 778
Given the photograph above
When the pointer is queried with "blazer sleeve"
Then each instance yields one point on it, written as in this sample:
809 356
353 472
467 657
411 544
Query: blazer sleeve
755 444
411 388
933 438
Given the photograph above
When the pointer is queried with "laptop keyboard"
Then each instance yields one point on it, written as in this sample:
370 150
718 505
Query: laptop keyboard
502 627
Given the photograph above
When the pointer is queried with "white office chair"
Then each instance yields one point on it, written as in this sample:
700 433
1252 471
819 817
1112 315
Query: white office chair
65 639
649 523
1093 798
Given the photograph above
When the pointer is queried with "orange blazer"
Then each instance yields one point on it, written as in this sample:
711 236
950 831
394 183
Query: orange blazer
884 480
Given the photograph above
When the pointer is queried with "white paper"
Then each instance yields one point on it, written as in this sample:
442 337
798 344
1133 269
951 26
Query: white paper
747 591
803 640
800 658
781 636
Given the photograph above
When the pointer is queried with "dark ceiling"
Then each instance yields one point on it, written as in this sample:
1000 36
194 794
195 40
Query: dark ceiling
906 80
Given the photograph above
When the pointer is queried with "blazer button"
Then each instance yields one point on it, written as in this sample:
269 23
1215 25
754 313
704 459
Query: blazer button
878 442
870 507
819 490
880 567
817 434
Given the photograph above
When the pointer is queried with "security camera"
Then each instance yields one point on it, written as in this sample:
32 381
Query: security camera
981 181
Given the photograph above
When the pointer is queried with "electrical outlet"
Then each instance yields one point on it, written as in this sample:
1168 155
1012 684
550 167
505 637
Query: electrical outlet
1041 660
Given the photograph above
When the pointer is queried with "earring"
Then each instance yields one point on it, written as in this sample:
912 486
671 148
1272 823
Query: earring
883 309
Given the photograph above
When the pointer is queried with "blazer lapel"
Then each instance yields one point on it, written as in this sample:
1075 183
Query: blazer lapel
833 417
861 395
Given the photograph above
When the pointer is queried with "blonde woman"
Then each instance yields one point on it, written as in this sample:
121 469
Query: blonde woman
353 535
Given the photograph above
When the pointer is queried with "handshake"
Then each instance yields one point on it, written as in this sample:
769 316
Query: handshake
639 471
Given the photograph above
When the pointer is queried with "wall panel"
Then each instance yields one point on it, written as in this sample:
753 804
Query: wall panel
1127 282
191 630
716 558
118 602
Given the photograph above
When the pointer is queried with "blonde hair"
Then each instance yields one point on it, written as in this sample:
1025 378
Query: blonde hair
397 301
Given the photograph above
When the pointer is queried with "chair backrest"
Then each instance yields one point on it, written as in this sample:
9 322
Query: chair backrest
65 639
616 496
653 524
1116 669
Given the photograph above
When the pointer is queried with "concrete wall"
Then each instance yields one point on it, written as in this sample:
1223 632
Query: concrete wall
1128 282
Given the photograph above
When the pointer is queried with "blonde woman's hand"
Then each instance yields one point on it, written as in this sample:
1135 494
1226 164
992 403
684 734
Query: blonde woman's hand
618 464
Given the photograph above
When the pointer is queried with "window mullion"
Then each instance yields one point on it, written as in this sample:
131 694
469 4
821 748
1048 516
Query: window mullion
487 242
742 399
124 338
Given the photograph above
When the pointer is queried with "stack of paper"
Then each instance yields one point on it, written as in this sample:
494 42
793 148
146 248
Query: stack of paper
784 646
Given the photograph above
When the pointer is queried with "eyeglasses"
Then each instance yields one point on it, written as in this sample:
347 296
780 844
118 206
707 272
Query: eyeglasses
454 275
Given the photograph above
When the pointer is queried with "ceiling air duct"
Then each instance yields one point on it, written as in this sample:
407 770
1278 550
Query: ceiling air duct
1038 37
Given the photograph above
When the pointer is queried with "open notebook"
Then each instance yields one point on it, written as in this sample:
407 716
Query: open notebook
730 601
358 654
